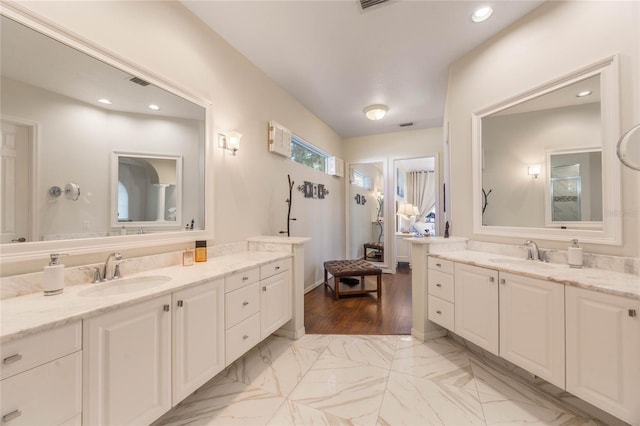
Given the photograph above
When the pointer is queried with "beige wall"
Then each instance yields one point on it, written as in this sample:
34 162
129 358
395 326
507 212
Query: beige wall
250 188
554 40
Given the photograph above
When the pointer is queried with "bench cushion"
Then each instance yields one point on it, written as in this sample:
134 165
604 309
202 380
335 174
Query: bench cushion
348 268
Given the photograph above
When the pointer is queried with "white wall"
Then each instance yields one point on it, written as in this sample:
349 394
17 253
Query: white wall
554 40
250 188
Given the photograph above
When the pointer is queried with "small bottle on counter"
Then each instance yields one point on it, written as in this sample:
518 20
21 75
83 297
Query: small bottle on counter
201 251
187 257
53 276
574 255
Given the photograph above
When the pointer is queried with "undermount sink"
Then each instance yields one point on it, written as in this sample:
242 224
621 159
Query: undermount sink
506 261
124 286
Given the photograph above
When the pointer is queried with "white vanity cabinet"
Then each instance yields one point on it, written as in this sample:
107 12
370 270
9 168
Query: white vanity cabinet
532 325
441 292
603 351
476 305
127 364
403 248
42 378
198 337
242 313
275 296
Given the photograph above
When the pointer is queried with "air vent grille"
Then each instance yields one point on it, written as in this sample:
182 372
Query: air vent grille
406 124
368 3
139 81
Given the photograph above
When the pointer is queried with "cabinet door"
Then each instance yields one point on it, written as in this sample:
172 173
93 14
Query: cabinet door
532 325
603 351
198 337
403 249
275 302
127 368
476 305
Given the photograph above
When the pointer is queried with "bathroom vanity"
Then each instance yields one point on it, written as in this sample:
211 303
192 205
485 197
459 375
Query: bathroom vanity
578 329
126 351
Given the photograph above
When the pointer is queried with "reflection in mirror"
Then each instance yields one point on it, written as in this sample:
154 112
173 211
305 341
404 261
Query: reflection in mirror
74 111
628 148
365 208
575 188
416 196
146 190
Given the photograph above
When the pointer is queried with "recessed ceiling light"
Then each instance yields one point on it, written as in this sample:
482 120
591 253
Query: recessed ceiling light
583 94
154 107
375 112
104 101
482 14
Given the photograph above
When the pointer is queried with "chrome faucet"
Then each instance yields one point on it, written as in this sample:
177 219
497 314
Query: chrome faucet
533 253
106 273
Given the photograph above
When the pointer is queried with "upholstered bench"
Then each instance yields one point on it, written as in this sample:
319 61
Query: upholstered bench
376 253
351 268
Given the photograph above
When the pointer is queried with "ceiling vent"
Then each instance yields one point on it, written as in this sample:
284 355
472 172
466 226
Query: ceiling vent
405 124
368 3
139 81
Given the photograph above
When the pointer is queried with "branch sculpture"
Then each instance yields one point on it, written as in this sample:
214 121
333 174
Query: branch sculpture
289 201
485 195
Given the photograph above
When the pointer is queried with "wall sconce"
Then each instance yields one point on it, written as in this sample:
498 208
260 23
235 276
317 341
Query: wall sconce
534 170
229 141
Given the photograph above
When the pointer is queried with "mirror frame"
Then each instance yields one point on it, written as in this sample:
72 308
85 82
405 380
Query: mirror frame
611 232
388 242
41 249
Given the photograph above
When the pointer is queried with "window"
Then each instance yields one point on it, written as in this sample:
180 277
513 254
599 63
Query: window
307 154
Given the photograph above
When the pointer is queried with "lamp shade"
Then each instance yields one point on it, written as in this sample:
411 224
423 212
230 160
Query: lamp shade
406 210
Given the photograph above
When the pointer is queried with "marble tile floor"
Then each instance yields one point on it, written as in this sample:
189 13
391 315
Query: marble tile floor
366 380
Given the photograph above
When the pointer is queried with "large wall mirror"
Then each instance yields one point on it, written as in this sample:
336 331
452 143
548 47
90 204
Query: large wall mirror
65 115
542 159
367 224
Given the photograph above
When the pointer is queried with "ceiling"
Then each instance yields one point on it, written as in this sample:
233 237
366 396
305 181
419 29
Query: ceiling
336 59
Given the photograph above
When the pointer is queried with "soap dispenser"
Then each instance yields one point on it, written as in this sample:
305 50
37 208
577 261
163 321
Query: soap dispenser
574 255
53 276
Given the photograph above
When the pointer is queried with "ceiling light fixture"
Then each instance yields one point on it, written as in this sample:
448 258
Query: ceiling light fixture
375 112
154 107
482 14
583 94
105 101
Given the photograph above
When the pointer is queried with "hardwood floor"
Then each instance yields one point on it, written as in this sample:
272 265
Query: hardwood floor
362 314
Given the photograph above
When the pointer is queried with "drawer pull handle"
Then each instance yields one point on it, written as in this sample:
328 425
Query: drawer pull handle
277 268
245 278
264 288
12 415
439 265
180 303
12 358
245 303
166 308
503 281
439 312
632 313
438 285
245 337
491 279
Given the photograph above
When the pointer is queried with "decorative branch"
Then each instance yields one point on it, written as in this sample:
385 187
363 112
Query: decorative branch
485 195
289 201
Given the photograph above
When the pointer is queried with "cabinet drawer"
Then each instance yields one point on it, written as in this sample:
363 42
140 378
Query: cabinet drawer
37 349
441 285
241 304
441 312
242 337
437 264
273 268
50 394
241 279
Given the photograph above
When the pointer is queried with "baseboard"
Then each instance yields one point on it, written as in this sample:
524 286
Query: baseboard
290 334
313 286
423 337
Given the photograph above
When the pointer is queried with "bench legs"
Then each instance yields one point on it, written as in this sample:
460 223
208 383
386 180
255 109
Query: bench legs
336 285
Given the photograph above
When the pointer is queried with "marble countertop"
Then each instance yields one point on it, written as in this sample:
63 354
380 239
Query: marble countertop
31 313
616 283
437 240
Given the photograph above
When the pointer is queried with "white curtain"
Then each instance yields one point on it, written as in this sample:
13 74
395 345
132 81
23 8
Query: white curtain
421 191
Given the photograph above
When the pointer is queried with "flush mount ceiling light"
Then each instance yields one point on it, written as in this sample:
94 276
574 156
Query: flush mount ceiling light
482 14
375 112
154 107
583 94
105 101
